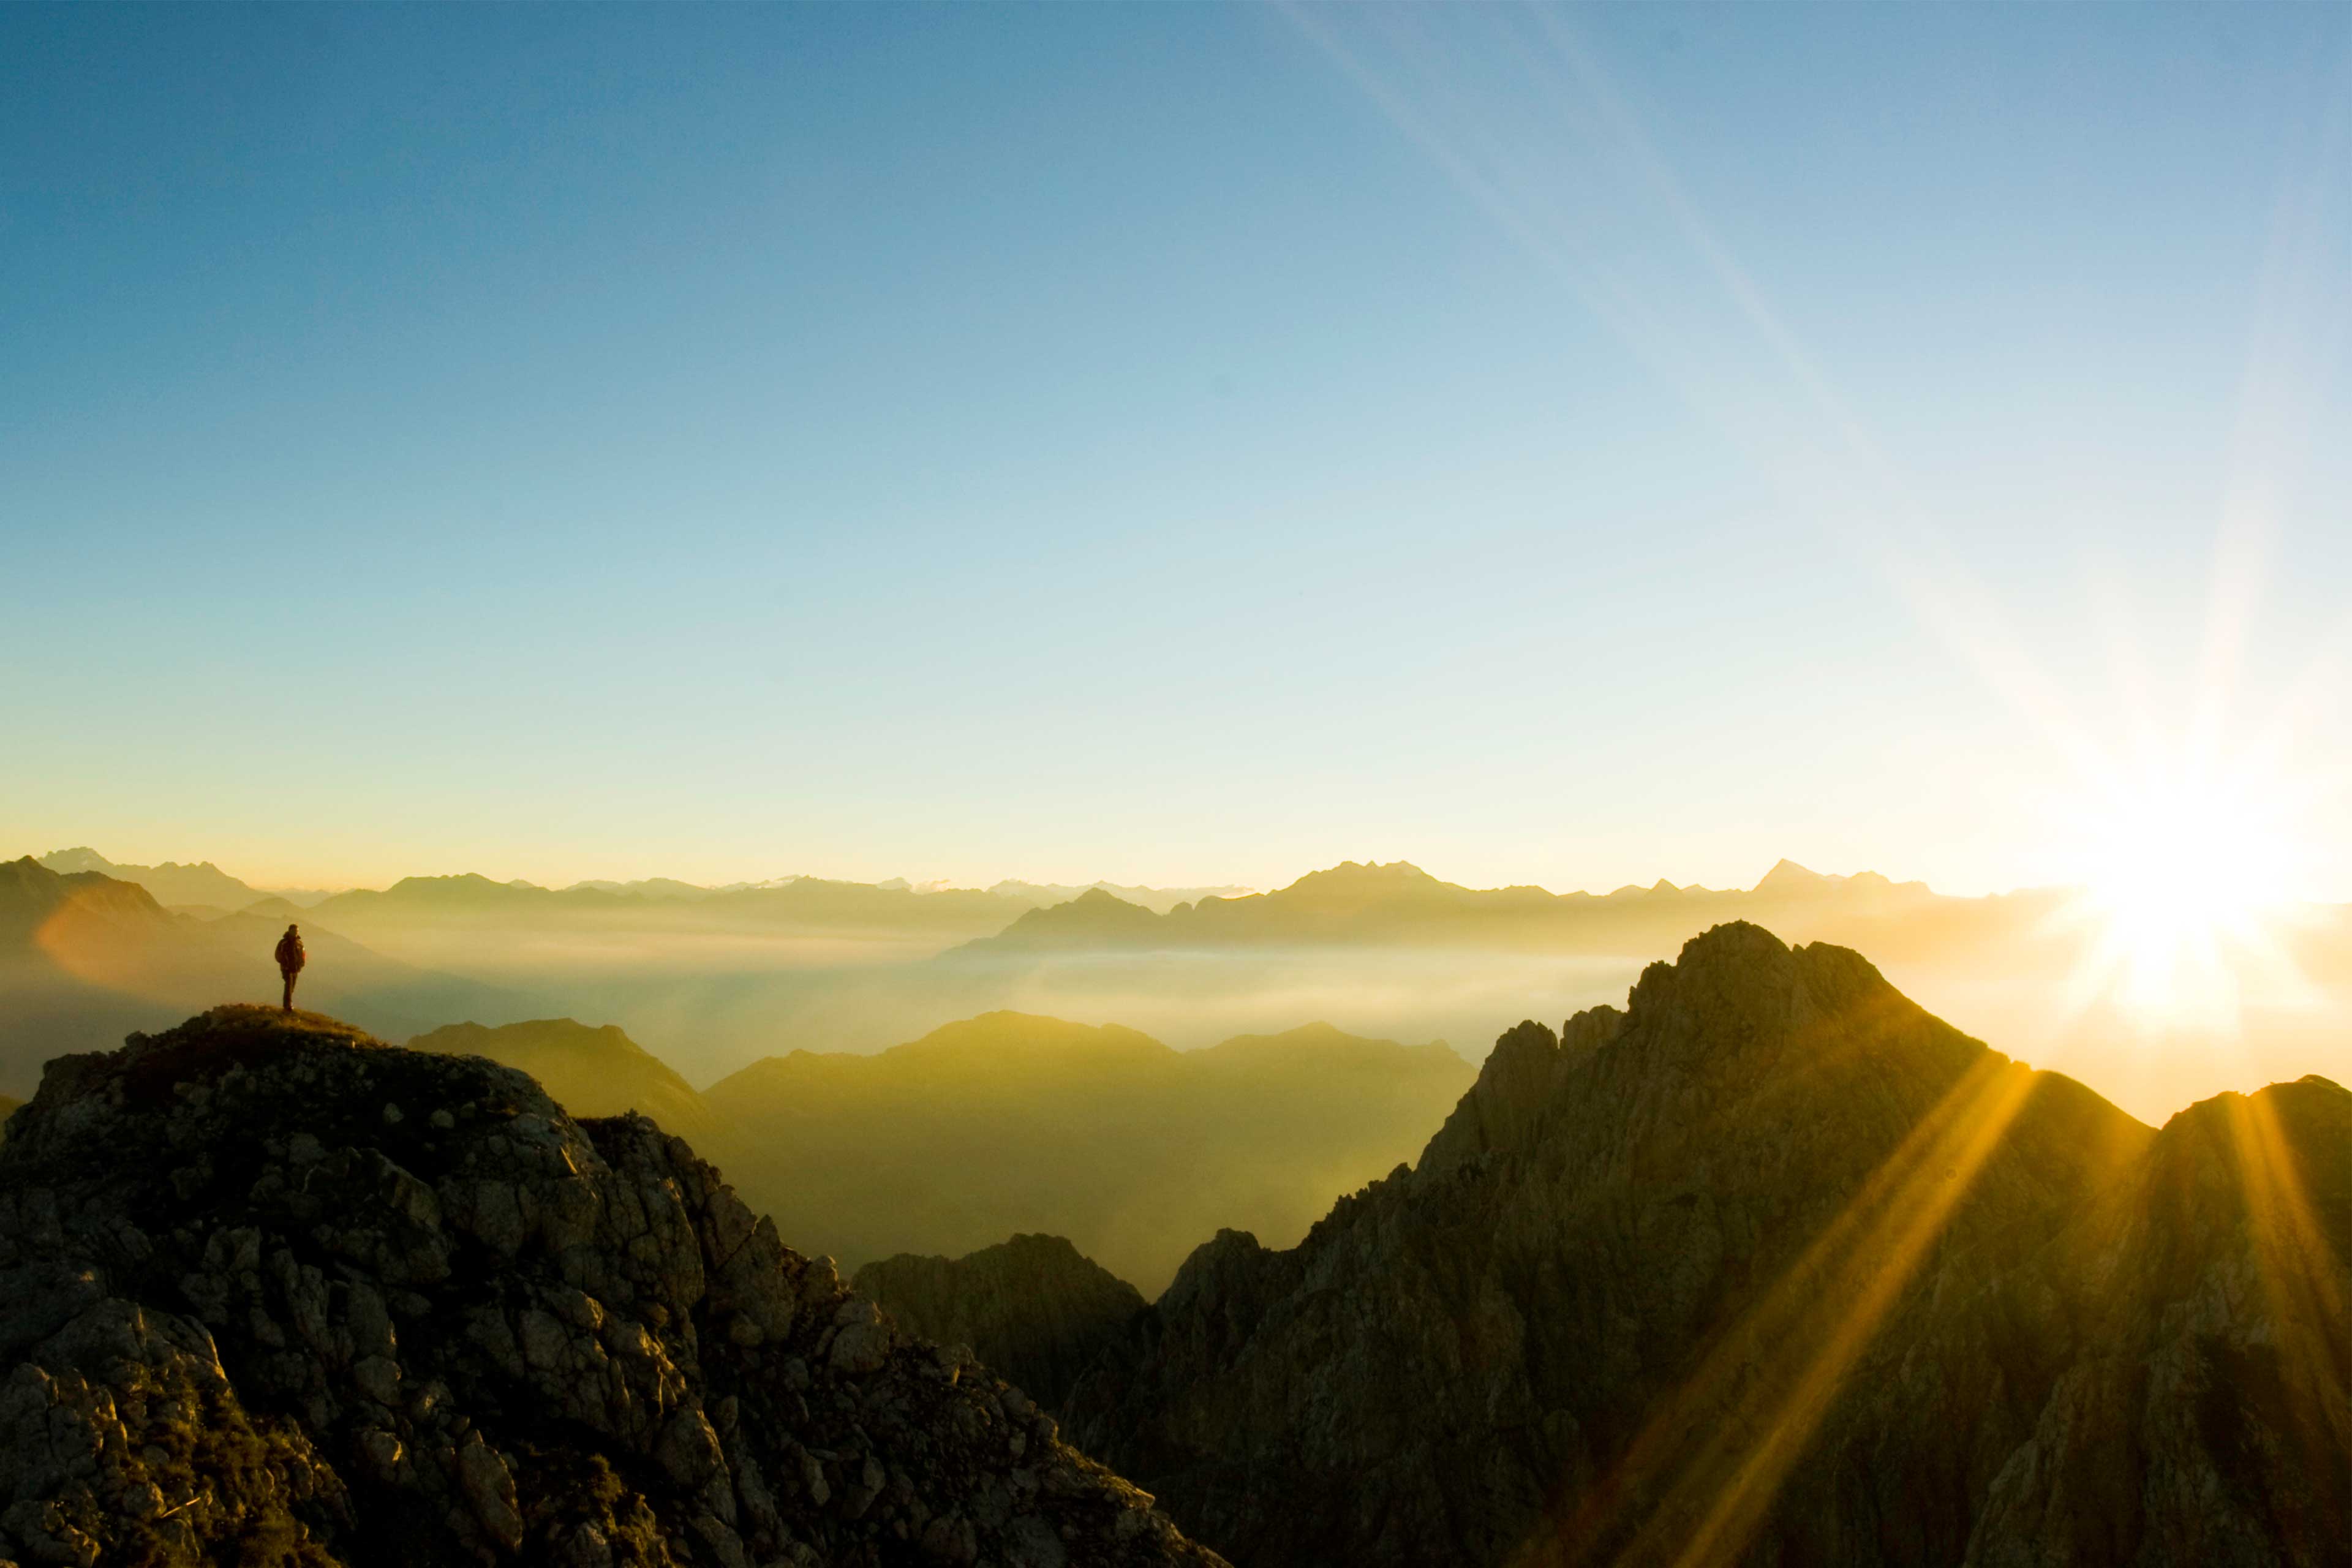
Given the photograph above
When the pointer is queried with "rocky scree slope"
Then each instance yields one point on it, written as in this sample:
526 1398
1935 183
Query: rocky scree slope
1773 1267
273 1292
1035 1309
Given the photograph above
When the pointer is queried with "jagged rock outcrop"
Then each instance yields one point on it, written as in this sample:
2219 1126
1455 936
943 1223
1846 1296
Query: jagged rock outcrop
1521 1074
272 1292
1774 1267
1035 1308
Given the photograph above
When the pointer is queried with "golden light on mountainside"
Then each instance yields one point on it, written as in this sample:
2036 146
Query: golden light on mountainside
2297 1273
1710 1465
83 936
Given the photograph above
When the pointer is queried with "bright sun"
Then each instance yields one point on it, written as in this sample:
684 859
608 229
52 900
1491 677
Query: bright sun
2181 869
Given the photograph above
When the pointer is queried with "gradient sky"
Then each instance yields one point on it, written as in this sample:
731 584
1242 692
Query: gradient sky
1173 444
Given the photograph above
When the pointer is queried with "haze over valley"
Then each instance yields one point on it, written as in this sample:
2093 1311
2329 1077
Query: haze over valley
714 979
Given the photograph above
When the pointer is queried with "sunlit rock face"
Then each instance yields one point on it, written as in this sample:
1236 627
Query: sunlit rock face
1774 1267
272 1292
1035 1309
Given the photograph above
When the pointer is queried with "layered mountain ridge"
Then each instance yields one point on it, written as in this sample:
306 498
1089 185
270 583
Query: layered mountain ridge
1771 1267
1398 903
714 978
172 883
1011 1122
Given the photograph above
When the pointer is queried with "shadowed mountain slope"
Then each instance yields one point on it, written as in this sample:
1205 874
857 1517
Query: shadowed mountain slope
380 1307
1009 1121
590 1071
1036 1310
1772 1267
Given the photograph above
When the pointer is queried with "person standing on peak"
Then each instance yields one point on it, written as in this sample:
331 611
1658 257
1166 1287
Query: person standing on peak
290 959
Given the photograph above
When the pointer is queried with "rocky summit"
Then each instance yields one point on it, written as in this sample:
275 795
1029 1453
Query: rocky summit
272 1292
1773 1267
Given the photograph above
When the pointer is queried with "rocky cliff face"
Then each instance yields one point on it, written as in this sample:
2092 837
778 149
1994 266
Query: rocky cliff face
1035 1308
271 1292
1774 1267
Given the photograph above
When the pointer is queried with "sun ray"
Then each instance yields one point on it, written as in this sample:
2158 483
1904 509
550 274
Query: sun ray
2297 1265
1546 119
1699 1480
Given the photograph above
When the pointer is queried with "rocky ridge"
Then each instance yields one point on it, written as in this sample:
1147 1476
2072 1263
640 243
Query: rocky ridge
274 1292
1772 1266
1035 1308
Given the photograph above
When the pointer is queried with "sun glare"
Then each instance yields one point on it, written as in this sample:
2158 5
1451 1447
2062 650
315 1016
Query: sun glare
2183 870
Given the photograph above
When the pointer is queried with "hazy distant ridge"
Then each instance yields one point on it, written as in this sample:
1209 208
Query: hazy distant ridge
1012 1122
201 883
1400 903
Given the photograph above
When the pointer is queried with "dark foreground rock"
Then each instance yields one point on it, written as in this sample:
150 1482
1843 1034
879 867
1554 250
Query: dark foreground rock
1035 1308
1773 1267
272 1292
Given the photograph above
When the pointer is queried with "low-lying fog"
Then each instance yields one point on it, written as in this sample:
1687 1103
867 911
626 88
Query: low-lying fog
709 1005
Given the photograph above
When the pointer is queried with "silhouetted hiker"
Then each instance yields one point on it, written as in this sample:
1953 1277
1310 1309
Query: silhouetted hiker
290 958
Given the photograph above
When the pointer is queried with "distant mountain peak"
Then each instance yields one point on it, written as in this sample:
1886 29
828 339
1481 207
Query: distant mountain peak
81 858
171 883
1787 876
32 893
1358 879
1373 870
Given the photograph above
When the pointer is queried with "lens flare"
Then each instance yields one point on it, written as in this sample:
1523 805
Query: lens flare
2185 873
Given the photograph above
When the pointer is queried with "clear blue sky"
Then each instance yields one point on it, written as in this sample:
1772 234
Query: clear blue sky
1169 444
